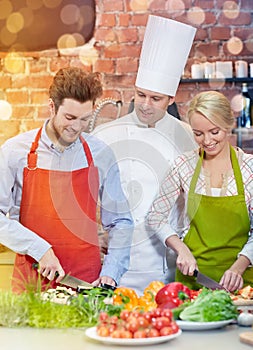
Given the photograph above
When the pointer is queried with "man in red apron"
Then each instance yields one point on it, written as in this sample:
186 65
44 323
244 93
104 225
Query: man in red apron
60 173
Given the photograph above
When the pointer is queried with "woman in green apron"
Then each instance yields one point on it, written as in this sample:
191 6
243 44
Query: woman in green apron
217 180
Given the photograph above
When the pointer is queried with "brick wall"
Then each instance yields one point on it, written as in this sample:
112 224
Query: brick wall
114 51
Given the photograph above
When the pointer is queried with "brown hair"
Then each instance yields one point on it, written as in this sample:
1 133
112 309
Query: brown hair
75 83
215 107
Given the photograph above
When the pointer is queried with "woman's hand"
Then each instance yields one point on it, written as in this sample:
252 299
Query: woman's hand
186 262
231 280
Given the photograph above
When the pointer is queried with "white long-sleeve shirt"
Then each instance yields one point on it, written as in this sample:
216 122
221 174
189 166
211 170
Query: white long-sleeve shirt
179 177
115 215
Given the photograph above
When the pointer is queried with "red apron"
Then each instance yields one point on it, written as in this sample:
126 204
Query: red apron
60 206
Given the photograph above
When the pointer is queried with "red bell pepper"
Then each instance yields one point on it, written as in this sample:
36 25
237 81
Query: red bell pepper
172 295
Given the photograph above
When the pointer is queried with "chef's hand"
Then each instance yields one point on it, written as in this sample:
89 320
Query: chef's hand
231 280
104 280
49 265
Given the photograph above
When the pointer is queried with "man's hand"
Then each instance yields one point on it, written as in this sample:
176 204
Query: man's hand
49 265
104 280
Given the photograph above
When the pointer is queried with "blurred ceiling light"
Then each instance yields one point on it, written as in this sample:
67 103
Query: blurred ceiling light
196 15
34 4
6 37
5 9
231 9
15 22
52 3
28 16
237 103
13 63
70 14
66 41
5 110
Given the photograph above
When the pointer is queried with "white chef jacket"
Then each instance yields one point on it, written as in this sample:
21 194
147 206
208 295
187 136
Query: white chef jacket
143 155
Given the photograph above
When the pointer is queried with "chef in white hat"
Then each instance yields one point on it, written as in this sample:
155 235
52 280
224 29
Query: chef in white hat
147 140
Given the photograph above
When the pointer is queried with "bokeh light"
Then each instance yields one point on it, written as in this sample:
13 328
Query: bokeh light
88 54
217 84
237 103
15 22
14 63
70 14
5 110
28 16
6 37
66 41
196 15
34 4
231 9
249 43
234 45
5 8
52 3
175 6
139 5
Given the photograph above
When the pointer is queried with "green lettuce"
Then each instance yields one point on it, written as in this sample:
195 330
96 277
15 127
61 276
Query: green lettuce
209 306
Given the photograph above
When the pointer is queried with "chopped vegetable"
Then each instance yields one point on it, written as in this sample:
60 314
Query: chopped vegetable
172 295
210 306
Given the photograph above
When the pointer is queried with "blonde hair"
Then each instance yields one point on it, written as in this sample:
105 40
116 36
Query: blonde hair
215 107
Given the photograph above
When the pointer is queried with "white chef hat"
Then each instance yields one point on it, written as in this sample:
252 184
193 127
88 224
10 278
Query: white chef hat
165 49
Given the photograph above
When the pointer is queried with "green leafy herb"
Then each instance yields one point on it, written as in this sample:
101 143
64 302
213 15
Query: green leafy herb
210 306
29 310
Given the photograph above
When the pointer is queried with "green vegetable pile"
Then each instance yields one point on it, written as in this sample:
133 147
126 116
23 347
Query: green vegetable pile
210 306
29 310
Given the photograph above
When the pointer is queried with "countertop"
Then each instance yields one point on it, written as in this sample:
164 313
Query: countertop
52 339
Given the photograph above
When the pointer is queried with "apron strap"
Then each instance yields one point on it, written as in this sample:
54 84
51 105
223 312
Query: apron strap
32 155
236 169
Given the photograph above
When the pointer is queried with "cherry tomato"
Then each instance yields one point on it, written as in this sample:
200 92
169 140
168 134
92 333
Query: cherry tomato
167 313
175 327
142 322
116 333
140 334
132 326
161 322
125 314
126 334
152 333
166 331
103 331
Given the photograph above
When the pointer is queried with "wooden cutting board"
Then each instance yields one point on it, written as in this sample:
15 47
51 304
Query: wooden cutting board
246 337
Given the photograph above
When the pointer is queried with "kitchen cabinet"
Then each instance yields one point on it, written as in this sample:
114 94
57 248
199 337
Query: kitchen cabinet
7 258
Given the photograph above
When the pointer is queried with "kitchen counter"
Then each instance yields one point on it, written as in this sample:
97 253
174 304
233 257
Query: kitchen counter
52 339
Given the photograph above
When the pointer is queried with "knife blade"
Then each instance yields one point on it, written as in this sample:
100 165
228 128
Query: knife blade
207 281
74 282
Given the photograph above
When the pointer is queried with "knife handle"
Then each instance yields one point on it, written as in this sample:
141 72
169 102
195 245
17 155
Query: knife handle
195 273
36 266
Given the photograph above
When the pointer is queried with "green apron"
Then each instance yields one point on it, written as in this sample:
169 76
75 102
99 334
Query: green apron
219 228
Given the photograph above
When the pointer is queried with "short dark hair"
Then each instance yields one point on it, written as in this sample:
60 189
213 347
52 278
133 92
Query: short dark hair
75 83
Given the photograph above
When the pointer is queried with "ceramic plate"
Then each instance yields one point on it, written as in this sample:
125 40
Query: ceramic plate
199 326
92 334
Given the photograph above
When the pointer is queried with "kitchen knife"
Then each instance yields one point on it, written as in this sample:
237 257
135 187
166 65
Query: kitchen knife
207 281
76 283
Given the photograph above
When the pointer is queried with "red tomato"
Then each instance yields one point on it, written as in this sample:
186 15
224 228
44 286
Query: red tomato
161 322
156 313
125 314
116 333
113 320
132 326
147 316
140 334
103 316
126 334
175 327
152 333
103 331
142 322
167 313
166 331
